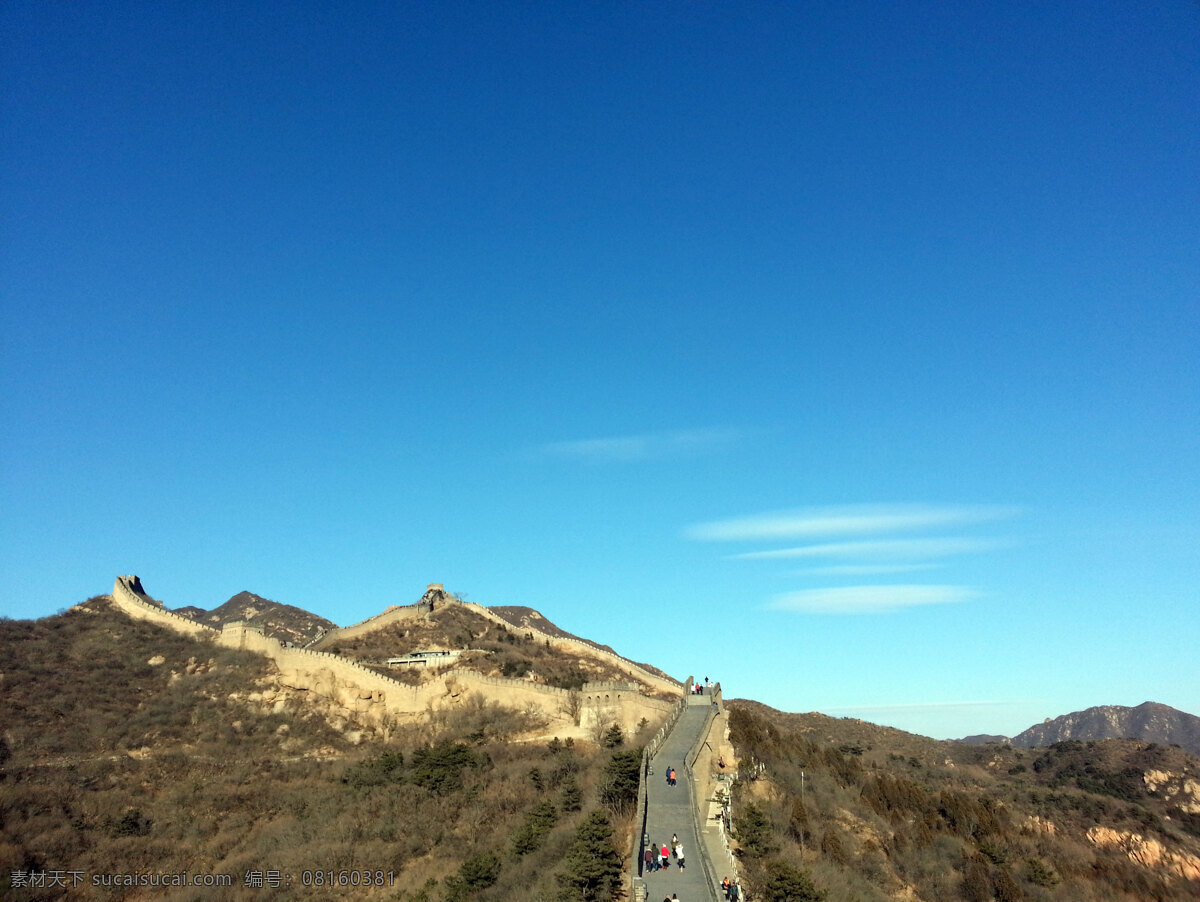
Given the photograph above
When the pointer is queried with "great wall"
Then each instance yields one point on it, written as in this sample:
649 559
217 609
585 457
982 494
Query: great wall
378 701
375 700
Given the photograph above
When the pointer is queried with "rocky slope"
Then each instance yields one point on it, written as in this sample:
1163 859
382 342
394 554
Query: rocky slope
279 621
523 617
1149 721
129 749
873 813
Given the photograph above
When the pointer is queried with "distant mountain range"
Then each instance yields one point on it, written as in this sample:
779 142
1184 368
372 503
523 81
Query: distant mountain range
1149 722
861 807
280 621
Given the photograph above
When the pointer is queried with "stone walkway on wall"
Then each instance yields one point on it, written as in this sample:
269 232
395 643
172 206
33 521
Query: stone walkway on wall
671 810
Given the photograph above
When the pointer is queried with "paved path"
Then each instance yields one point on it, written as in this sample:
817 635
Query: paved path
672 810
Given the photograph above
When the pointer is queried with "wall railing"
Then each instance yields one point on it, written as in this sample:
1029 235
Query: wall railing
637 889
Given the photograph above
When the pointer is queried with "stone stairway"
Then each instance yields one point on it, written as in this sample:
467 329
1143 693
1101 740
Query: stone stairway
672 810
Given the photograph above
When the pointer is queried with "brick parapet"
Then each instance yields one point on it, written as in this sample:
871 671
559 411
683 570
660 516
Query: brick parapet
141 608
315 669
394 614
654 681
637 886
401 613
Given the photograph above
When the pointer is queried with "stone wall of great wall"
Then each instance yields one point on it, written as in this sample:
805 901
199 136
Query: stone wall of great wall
579 647
402 613
394 614
376 699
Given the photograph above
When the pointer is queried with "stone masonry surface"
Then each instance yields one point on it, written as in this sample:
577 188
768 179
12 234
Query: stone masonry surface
374 697
672 811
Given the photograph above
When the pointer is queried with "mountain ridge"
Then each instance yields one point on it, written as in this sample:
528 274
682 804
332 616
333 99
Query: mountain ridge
1149 722
276 619
868 811
524 617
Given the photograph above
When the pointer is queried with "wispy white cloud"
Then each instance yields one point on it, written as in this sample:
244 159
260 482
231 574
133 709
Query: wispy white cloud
862 541
844 520
867 599
650 446
888 549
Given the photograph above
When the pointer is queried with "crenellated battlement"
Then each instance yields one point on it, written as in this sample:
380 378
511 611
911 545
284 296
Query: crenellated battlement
579 647
373 696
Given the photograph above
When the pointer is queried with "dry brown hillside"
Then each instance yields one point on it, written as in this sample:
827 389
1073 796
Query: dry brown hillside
487 647
522 618
880 814
279 621
127 748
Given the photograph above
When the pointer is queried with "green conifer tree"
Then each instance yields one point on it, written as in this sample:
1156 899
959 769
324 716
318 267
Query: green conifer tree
786 883
593 867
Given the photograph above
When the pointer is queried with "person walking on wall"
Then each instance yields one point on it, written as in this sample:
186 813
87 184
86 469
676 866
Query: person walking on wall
679 855
648 857
665 854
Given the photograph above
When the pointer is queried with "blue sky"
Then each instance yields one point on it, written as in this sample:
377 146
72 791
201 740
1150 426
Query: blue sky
846 352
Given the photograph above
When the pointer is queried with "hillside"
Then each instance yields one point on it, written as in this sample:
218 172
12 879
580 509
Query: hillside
1149 721
279 621
485 647
128 748
881 814
525 618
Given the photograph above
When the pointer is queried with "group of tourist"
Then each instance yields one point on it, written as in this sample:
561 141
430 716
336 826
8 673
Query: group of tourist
702 688
657 859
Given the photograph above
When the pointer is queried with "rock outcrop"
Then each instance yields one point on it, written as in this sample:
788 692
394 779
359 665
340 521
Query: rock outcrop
1147 852
1149 722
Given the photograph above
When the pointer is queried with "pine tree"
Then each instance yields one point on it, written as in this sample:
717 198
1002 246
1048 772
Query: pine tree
613 737
753 831
572 796
593 867
619 788
538 822
476 873
798 827
789 884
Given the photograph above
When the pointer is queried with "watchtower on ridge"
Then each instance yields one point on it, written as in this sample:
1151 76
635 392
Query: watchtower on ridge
435 594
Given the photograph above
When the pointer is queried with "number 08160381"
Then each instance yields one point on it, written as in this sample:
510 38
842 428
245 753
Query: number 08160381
348 878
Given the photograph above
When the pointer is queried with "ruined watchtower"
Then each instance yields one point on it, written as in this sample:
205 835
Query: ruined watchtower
435 593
